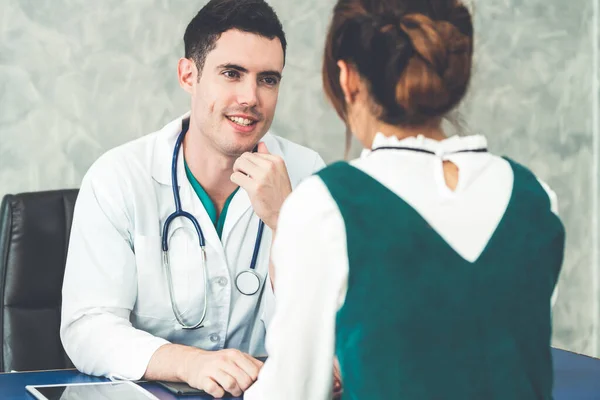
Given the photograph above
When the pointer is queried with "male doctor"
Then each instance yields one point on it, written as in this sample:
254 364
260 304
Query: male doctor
118 318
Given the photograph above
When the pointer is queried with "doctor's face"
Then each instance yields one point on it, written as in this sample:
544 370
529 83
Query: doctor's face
234 99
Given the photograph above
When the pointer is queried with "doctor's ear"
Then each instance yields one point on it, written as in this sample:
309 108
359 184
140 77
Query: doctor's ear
349 81
187 74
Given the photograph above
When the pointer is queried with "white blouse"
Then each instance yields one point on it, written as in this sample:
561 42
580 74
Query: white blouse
311 260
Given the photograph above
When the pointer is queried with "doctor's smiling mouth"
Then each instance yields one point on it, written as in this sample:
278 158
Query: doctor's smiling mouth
244 121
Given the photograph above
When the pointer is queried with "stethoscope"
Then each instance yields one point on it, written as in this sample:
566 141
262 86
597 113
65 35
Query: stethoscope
247 281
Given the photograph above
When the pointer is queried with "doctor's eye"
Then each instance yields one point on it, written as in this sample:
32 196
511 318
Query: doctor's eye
270 80
231 74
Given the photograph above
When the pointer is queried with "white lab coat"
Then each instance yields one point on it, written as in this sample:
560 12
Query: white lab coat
116 310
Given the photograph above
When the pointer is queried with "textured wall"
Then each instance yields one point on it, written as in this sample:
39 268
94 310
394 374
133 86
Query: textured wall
535 97
79 77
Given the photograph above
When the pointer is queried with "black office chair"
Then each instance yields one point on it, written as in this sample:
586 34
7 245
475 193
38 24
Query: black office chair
34 236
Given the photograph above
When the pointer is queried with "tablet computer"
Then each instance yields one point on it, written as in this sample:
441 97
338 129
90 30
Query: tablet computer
90 391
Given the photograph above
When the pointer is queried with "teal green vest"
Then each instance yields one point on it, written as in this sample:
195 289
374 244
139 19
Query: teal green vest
421 322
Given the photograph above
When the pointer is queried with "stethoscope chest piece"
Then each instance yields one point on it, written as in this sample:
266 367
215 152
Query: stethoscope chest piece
247 282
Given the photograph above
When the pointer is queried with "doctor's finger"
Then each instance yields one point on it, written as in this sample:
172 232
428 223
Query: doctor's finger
225 379
243 181
242 378
211 387
245 165
248 364
269 158
257 158
256 361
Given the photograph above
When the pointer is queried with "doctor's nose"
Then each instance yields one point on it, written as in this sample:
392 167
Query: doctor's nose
247 94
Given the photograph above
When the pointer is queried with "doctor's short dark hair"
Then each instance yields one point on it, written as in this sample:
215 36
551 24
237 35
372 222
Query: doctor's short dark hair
218 16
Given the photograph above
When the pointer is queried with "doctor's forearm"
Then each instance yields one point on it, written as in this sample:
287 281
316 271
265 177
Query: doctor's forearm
271 265
272 275
169 363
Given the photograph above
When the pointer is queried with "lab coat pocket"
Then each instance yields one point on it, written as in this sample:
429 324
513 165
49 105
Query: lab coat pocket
153 300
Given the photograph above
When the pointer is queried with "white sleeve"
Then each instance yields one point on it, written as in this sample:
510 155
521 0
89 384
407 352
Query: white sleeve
319 163
554 208
100 285
269 295
310 257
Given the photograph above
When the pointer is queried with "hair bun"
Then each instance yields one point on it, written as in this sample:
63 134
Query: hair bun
437 75
415 55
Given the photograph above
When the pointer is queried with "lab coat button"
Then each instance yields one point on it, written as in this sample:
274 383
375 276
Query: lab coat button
214 338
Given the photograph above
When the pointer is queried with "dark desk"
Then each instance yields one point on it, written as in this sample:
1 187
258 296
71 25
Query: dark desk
576 377
12 385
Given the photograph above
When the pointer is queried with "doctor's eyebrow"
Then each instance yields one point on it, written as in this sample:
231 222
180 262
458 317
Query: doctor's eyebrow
241 69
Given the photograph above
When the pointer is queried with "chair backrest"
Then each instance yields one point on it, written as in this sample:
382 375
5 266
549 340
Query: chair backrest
34 236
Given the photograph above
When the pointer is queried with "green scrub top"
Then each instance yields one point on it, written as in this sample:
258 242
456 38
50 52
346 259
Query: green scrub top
207 202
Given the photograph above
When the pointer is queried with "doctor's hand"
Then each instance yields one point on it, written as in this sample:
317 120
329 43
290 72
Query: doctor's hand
337 379
218 372
265 178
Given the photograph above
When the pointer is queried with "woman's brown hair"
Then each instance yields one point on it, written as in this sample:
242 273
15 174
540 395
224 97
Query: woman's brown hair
415 56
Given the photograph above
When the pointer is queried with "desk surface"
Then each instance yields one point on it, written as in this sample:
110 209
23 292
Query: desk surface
576 377
12 385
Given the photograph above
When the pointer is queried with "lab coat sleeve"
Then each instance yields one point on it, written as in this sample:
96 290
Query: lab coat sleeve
310 258
554 208
100 283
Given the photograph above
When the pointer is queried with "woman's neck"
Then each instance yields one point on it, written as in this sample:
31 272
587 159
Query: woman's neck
433 131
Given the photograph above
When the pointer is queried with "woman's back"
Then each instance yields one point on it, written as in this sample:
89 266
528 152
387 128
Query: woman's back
472 316
422 291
